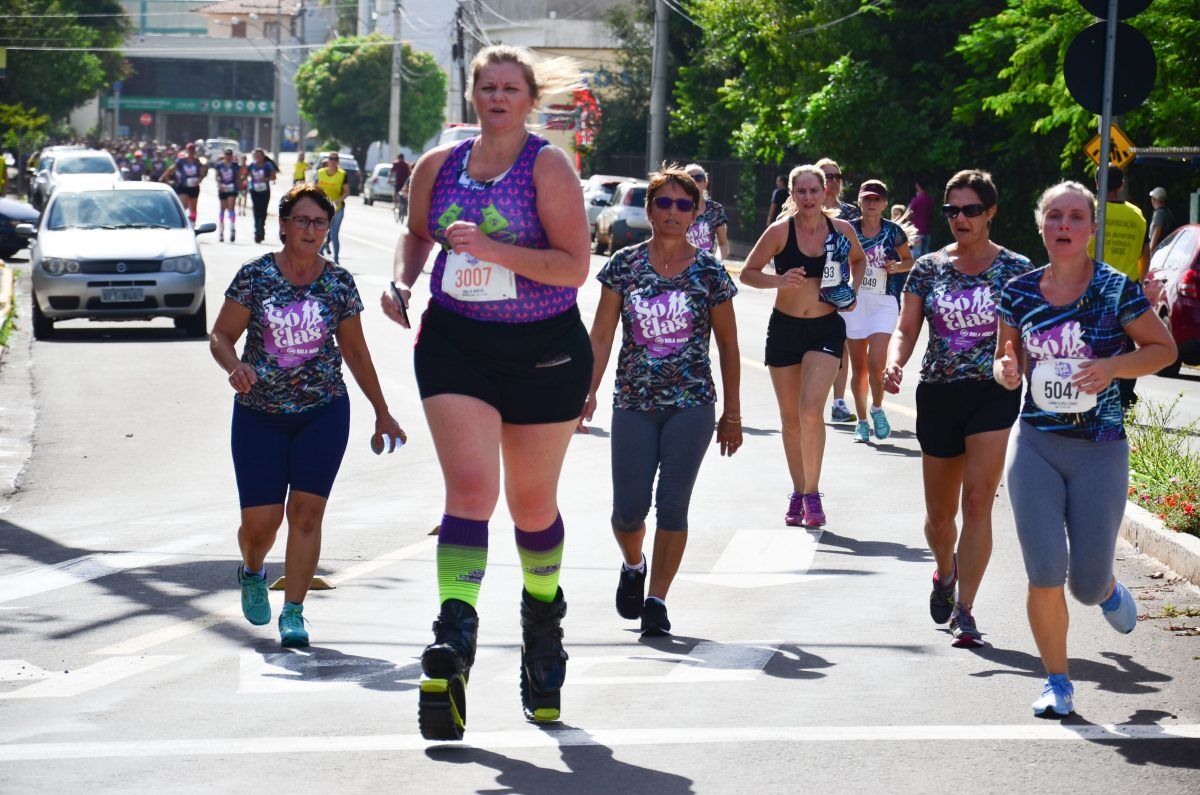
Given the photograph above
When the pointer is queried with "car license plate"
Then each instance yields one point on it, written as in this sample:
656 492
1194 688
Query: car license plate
119 295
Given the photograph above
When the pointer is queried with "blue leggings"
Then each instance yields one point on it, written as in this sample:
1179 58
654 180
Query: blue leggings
333 242
275 451
1068 498
671 443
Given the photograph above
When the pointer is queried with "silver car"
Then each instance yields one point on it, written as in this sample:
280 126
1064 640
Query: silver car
597 193
72 169
377 186
623 222
126 252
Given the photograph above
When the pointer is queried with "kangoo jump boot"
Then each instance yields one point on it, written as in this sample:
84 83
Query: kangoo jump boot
446 663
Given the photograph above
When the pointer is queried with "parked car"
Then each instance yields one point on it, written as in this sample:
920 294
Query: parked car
76 169
378 186
1173 287
453 133
348 164
214 148
123 252
597 193
12 214
623 222
39 164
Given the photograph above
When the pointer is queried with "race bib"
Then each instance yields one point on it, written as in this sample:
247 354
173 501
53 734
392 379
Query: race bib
227 187
192 182
875 280
466 278
831 272
260 186
1052 390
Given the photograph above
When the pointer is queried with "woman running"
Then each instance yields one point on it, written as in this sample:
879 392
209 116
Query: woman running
963 416
291 416
669 297
710 231
869 325
834 182
260 174
817 259
185 175
503 364
331 178
228 174
1064 326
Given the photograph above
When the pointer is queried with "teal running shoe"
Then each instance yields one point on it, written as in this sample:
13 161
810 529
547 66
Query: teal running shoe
862 432
292 633
256 607
883 428
1057 699
1119 610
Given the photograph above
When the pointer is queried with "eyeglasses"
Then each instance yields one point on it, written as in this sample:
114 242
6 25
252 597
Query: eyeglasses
834 175
699 177
665 202
304 222
970 210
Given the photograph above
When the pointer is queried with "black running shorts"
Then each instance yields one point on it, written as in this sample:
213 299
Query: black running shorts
789 338
947 413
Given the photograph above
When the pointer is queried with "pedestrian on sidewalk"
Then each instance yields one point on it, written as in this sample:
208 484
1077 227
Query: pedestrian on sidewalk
817 259
503 364
1063 328
963 415
291 415
670 297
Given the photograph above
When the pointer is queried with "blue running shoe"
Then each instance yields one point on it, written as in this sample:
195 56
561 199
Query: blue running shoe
841 412
1057 697
292 633
883 429
862 432
1120 610
256 607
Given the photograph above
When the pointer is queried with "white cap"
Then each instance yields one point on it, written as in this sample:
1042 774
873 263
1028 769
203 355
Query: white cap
1159 193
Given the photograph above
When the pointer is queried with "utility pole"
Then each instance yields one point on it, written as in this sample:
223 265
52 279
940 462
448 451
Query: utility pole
364 17
276 133
658 89
461 54
1110 54
394 104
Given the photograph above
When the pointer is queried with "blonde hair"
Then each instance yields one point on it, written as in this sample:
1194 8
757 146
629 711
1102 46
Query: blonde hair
789 206
1067 186
545 76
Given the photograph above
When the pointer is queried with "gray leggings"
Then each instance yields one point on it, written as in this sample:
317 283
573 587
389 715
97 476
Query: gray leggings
1054 482
671 442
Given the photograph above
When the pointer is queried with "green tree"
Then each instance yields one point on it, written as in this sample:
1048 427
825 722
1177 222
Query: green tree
56 82
343 89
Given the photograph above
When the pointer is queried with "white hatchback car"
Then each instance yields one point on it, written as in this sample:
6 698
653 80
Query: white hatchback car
125 252
74 169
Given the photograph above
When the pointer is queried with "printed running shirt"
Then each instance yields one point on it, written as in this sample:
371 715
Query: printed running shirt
290 338
260 176
703 232
505 209
881 249
666 324
961 311
1058 338
226 175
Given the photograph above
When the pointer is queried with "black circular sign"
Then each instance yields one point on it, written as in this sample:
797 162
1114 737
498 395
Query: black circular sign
1133 72
1125 8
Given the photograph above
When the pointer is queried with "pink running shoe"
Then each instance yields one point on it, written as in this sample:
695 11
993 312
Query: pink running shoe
814 514
795 512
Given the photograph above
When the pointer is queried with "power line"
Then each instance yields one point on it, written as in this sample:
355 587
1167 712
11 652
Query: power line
133 53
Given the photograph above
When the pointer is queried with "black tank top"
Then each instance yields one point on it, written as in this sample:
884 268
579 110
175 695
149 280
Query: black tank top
792 257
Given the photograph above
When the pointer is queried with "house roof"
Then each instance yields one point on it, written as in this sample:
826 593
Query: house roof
264 7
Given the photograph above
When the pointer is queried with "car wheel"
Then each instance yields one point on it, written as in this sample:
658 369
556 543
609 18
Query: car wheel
367 200
597 246
195 325
43 327
1171 370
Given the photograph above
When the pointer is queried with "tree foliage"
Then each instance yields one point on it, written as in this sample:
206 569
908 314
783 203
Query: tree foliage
343 89
55 83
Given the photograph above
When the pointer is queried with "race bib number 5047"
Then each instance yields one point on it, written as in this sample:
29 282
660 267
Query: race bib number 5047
1053 390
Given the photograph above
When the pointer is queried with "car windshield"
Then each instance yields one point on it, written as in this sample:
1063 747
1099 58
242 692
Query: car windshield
637 197
85 165
115 210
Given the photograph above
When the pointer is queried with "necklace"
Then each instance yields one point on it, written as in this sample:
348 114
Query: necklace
663 259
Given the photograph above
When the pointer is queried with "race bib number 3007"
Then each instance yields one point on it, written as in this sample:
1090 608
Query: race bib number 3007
466 278
1053 390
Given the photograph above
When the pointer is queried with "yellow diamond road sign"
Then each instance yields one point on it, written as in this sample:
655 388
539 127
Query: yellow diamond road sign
1121 152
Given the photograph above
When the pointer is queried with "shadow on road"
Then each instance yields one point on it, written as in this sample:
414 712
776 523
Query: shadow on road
875 549
788 662
1125 676
111 334
592 768
321 664
1168 752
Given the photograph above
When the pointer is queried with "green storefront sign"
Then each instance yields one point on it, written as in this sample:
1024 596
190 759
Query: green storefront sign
226 107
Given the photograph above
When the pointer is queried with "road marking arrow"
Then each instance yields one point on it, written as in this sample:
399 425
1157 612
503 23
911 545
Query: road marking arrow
758 558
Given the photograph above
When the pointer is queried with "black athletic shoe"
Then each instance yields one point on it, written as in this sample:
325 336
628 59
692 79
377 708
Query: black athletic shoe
655 623
631 592
942 597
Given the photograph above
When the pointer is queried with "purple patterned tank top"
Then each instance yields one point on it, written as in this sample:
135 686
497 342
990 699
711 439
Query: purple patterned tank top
506 210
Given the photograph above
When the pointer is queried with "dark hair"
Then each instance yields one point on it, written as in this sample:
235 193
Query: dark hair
978 181
668 174
305 190
1116 178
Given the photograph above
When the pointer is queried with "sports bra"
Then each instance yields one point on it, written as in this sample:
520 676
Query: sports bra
792 257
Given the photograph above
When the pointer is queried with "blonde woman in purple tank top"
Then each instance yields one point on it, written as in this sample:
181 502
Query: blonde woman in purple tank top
503 365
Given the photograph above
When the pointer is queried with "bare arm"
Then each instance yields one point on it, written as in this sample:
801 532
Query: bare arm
906 261
722 233
729 426
230 325
904 339
357 357
770 243
415 243
1009 361
858 258
604 327
1155 350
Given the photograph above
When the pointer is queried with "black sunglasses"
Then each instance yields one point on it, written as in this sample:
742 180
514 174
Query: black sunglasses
665 202
970 210
699 177
835 175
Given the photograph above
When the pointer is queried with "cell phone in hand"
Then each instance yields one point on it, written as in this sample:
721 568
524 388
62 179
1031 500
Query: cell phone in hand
400 300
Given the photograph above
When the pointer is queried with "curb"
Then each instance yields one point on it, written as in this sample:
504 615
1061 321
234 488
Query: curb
6 298
1180 552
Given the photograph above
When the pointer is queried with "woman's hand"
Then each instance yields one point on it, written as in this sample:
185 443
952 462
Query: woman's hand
386 424
729 434
792 279
1094 376
242 377
391 307
589 408
1007 368
467 238
893 374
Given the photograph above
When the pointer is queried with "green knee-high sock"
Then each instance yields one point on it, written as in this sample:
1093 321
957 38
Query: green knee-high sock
461 558
541 558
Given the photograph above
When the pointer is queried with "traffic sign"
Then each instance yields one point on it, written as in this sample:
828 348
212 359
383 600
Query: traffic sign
1125 8
146 119
1120 152
1133 70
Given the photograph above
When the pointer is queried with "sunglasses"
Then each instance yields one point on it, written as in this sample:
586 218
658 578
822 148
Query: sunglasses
970 210
699 177
835 175
665 202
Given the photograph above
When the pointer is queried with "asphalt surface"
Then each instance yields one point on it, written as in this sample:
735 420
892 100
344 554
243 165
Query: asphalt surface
801 659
